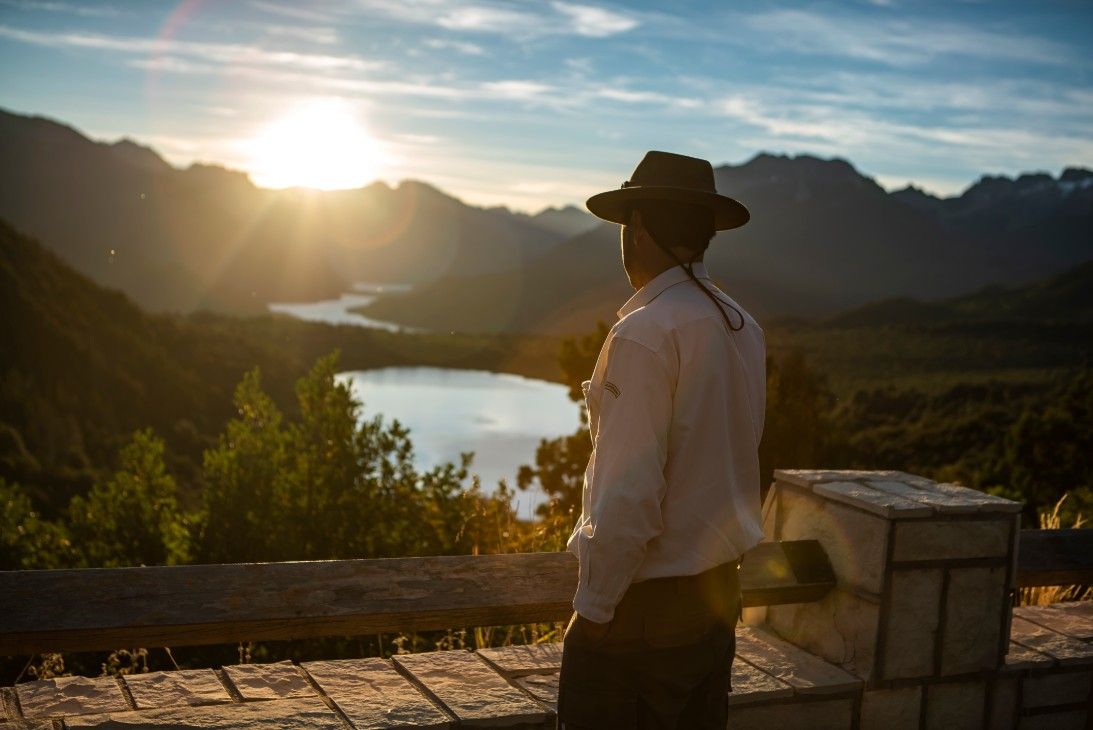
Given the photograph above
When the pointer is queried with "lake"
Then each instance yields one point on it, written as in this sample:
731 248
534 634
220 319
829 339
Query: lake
500 417
337 311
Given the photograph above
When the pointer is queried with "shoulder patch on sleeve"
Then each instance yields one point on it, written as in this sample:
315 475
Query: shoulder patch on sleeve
612 388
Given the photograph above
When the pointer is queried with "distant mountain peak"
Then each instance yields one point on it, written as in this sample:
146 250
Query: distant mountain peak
139 155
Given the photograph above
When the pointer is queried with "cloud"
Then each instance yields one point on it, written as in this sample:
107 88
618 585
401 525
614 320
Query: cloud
87 11
296 12
523 21
900 42
484 18
469 49
308 33
595 22
218 53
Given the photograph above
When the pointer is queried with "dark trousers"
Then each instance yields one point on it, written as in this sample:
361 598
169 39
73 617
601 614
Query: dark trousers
665 662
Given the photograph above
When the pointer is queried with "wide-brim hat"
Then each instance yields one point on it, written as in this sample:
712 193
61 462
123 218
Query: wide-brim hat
668 176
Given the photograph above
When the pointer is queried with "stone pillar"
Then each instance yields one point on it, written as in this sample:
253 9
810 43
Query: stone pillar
924 573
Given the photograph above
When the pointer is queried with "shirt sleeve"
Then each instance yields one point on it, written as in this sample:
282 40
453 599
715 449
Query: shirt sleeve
628 482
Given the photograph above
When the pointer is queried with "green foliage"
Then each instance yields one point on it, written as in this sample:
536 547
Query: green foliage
26 539
133 518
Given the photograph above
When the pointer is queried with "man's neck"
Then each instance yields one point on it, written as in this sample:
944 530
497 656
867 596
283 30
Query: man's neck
663 265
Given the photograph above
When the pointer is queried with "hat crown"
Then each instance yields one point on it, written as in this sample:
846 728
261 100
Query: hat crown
667 169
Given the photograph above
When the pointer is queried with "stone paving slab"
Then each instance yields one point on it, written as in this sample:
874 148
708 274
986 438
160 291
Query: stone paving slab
516 661
984 502
808 477
806 673
180 687
751 684
476 694
1064 649
70 696
942 503
7 704
1073 619
278 681
372 694
1021 657
543 687
872 500
306 714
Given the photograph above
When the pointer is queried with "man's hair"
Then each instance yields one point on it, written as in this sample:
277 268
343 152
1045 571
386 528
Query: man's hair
671 224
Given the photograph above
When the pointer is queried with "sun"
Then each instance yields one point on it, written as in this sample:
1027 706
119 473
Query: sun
319 144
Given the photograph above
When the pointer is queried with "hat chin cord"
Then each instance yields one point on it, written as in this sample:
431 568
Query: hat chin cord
717 302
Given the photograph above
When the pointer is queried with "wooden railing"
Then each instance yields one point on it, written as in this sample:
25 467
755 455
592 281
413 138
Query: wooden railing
92 609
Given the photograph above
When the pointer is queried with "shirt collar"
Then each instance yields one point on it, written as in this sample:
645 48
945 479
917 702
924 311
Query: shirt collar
663 280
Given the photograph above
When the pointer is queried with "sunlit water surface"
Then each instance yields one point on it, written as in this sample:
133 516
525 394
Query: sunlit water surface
499 417
337 311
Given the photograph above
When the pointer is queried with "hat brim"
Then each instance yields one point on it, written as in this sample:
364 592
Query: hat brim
612 205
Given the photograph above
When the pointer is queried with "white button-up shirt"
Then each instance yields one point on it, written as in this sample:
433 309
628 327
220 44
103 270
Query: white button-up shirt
676 405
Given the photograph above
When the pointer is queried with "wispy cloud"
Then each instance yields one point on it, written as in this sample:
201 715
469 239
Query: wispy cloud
900 42
220 53
444 44
307 33
87 11
296 12
521 21
595 22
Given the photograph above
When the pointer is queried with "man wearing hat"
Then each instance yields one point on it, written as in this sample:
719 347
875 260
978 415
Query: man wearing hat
671 492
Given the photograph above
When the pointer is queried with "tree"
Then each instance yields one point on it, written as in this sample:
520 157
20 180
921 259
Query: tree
133 518
27 541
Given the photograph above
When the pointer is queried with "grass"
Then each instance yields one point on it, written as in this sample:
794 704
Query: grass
1045 595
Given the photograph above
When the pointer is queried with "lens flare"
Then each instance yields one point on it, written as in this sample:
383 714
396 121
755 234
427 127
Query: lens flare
319 144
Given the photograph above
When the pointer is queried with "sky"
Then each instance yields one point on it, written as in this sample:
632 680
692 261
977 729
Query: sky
529 104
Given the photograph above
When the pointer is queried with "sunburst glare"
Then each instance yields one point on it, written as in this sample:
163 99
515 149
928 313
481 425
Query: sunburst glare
320 144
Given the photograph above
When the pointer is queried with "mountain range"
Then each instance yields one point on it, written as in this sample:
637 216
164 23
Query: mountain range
823 238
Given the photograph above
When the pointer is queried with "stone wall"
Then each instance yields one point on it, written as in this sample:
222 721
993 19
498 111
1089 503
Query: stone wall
922 608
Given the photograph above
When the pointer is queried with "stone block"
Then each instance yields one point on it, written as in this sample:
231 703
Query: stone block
808 477
856 542
951 539
1073 619
307 714
841 627
864 497
278 681
1066 720
1003 704
985 503
470 689
955 705
1021 657
63 696
518 660
167 689
941 503
1063 649
891 709
373 694
975 609
543 687
751 684
1056 688
912 624
835 714
807 674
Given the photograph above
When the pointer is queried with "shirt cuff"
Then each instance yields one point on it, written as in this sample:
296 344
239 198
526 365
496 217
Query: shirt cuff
592 607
